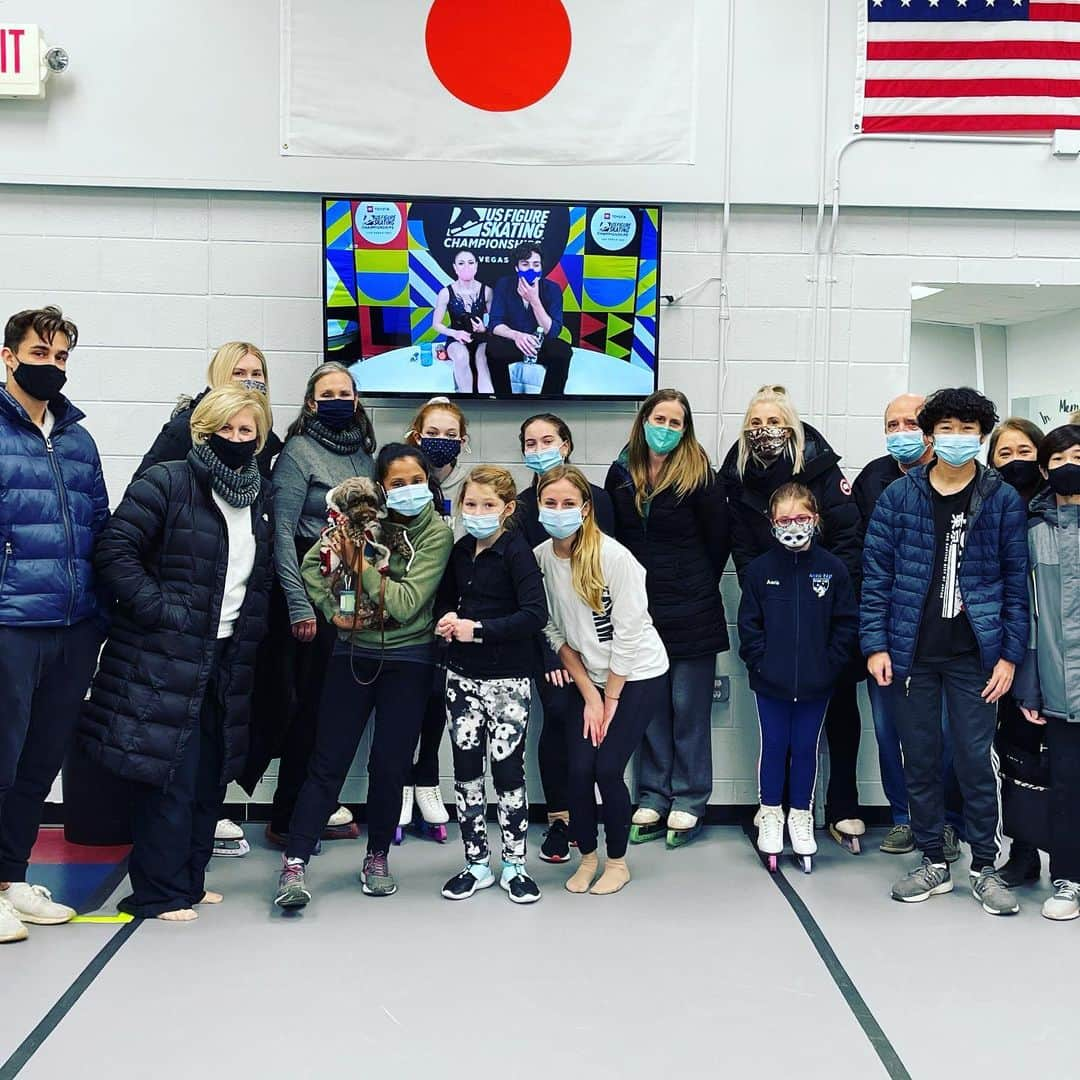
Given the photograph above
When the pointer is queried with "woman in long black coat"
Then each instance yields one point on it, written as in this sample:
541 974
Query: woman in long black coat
186 561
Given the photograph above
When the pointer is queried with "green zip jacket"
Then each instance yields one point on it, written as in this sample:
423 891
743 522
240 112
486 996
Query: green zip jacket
410 594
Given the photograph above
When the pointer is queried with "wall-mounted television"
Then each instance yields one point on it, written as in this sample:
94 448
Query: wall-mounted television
492 298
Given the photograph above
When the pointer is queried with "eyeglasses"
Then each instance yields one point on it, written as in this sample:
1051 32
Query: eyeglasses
802 519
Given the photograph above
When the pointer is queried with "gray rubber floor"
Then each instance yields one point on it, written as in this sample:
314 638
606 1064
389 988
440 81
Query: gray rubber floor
701 967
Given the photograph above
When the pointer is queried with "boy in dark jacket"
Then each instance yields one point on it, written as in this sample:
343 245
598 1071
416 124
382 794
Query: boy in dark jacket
944 621
54 506
798 622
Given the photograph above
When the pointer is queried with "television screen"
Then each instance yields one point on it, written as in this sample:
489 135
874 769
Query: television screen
492 298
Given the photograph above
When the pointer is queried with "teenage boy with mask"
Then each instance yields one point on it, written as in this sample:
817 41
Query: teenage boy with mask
53 508
943 622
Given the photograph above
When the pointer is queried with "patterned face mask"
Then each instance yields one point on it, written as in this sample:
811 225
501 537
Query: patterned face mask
768 442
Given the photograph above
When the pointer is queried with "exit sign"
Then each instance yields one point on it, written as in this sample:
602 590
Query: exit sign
22 72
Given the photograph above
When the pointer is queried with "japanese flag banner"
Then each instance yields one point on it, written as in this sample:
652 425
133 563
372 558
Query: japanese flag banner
583 82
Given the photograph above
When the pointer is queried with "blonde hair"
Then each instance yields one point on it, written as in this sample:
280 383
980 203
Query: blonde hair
221 405
1075 418
586 573
498 479
220 371
685 469
412 436
778 396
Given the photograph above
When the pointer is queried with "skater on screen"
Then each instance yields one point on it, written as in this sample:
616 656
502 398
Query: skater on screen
798 622
467 301
526 319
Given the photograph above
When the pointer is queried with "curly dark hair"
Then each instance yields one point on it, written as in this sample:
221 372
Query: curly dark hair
958 403
523 252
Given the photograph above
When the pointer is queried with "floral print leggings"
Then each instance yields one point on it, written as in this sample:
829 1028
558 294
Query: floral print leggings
493 714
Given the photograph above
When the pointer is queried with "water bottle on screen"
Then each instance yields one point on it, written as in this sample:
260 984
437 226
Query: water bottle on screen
427 356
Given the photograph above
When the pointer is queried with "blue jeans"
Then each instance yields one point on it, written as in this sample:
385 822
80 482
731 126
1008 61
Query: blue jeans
675 770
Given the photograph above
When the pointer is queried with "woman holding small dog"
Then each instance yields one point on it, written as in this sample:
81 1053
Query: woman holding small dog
490 606
382 660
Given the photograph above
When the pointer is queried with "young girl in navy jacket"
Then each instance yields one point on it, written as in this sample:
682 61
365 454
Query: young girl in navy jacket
490 607
798 621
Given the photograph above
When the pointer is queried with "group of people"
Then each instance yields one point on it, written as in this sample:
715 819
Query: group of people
249 599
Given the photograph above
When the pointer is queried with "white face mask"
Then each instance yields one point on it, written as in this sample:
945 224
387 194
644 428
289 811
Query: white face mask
793 535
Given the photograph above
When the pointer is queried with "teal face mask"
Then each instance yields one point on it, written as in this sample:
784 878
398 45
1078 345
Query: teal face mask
560 524
481 525
661 440
957 450
906 446
541 461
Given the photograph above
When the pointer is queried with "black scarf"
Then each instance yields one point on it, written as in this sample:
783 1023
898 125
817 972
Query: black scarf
237 488
346 441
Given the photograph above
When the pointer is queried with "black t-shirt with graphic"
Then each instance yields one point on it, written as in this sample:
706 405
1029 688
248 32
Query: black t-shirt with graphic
946 632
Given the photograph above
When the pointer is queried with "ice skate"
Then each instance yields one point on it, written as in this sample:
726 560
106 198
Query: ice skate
646 825
430 816
800 827
847 832
770 838
229 841
406 815
341 825
681 828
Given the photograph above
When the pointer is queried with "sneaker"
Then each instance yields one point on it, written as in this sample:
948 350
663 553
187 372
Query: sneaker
34 904
1024 866
475 876
341 816
994 895
926 880
228 830
11 926
376 876
950 844
518 885
556 845
1065 903
432 808
899 840
292 891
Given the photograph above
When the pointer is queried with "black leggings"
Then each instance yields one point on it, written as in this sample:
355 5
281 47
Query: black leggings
604 766
842 729
425 770
562 709
398 696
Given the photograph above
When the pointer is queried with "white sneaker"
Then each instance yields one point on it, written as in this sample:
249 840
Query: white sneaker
406 807
11 927
341 816
680 820
770 826
34 904
644 816
1065 903
432 807
800 827
228 830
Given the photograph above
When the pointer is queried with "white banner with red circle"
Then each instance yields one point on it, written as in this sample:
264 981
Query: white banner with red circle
583 82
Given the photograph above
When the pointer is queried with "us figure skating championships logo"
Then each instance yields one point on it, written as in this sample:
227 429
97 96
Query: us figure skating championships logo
378 222
494 226
613 227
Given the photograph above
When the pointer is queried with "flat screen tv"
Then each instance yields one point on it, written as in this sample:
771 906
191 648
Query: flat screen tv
492 298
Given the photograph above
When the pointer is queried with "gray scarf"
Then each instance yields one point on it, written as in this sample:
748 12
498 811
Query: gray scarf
237 488
346 441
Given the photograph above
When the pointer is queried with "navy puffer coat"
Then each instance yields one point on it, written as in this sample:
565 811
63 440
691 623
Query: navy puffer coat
53 505
898 560
163 558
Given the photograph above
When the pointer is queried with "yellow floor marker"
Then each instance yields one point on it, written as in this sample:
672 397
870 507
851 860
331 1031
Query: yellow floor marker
120 917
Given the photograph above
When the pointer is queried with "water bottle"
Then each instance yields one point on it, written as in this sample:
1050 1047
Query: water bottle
427 357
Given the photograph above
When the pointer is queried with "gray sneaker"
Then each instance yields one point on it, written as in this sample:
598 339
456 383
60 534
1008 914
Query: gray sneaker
292 891
926 880
950 843
899 840
376 876
994 895
1065 903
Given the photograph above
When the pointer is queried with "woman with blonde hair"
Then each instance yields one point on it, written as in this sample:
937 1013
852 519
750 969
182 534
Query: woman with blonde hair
671 513
775 448
185 559
234 362
600 628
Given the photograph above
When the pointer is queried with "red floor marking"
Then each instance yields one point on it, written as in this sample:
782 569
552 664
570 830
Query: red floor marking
51 847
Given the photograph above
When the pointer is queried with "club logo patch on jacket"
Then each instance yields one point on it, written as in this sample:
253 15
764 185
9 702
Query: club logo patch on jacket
820 584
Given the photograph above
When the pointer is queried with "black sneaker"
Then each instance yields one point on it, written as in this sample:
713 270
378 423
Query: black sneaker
556 845
1023 867
474 876
518 885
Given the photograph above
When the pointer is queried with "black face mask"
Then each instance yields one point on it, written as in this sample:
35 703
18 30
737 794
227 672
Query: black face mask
1022 475
41 381
1065 479
233 455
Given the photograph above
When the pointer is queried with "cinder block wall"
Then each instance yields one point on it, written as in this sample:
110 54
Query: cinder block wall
156 280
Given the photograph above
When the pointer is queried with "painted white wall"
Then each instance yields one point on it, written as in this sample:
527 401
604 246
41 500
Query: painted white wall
156 279
941 355
1044 356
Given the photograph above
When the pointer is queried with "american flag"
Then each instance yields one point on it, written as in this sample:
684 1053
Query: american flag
1000 66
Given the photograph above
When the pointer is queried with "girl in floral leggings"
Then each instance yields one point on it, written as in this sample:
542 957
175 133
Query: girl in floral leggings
490 609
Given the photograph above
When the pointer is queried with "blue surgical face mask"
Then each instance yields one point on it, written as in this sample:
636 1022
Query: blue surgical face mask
409 500
957 450
906 446
560 524
540 461
662 440
481 525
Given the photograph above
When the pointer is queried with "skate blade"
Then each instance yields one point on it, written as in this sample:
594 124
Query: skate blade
430 832
231 849
771 862
341 832
848 843
677 838
642 834
399 835
804 862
